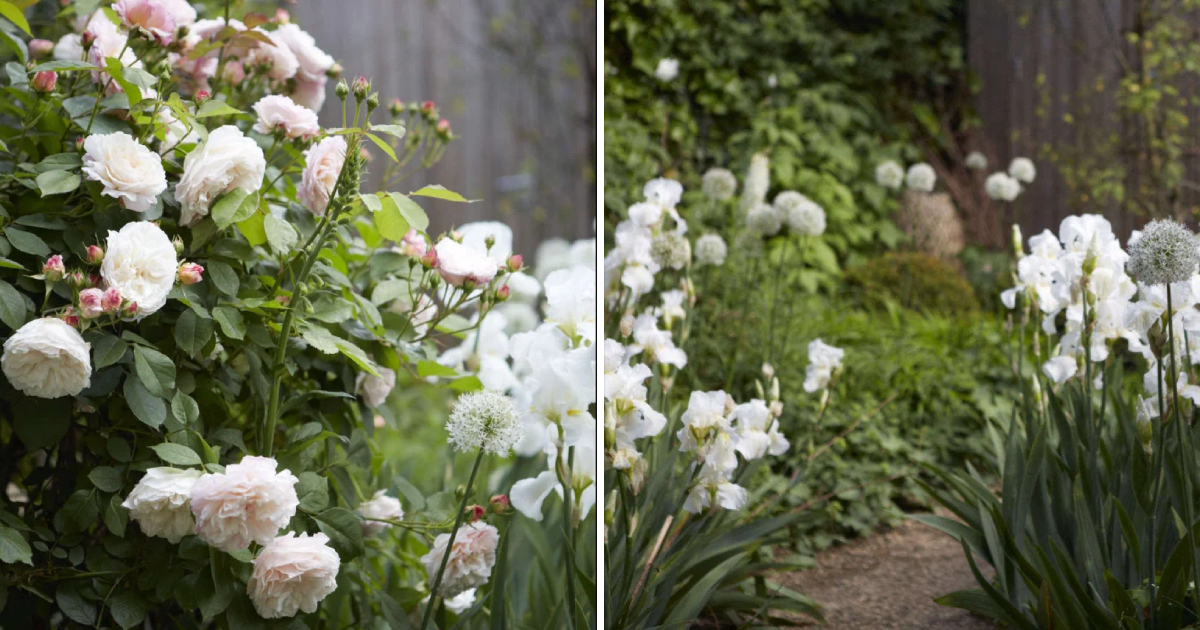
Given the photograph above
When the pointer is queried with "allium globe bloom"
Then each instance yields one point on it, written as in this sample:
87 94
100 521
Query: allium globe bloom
921 177
1022 170
323 165
280 113
314 63
150 16
664 192
823 360
141 263
667 69
671 250
159 502
889 174
976 161
380 506
485 420
764 220
471 559
293 573
375 389
458 263
248 502
1002 187
802 214
719 184
129 170
1166 253
47 358
225 161
711 250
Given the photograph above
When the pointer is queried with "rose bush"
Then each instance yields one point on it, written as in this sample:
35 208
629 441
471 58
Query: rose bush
207 327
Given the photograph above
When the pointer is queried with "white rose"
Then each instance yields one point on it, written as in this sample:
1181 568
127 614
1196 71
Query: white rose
129 170
380 506
314 62
323 164
310 94
248 502
458 262
140 261
293 573
183 13
69 47
471 560
475 235
159 502
282 113
47 358
375 389
227 160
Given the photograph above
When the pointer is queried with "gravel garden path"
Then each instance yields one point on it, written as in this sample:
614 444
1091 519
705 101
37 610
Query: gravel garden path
887 581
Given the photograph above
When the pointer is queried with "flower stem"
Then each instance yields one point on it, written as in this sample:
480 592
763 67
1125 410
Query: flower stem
569 533
462 509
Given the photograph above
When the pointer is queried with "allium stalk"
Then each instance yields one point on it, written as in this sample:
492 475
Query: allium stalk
462 511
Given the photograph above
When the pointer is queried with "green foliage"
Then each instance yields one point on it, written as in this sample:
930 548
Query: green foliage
913 281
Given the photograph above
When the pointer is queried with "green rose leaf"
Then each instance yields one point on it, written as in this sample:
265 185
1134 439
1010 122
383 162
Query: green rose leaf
14 548
155 369
192 332
12 306
234 206
344 530
106 478
57 182
177 454
150 409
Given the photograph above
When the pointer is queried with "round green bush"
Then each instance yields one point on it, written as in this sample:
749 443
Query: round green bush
914 281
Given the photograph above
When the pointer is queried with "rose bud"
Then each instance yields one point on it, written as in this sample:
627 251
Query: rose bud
39 48
429 260
94 280
91 303
111 302
443 128
190 273
514 262
202 96
396 107
178 243
502 293
54 270
334 71
360 88
77 279
414 244
475 512
234 72
283 299
341 90
428 108
500 504
372 101
95 255
44 81
282 16
130 310
87 38
70 317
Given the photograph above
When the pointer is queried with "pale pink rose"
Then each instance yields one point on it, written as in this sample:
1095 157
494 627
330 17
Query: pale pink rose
471 559
225 161
414 244
310 94
324 162
107 41
131 173
183 13
111 302
281 113
47 358
248 502
458 263
234 72
91 303
39 48
313 62
159 502
150 16
380 506
280 59
375 389
293 573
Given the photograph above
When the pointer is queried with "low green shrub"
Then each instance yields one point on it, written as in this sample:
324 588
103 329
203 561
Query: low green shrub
914 281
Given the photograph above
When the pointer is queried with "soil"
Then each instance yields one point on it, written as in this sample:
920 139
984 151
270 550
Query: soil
887 581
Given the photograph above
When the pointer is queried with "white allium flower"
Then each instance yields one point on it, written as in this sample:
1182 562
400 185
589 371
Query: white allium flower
47 358
1001 187
889 174
672 250
1060 368
758 431
758 181
458 262
380 506
293 573
1166 252
375 389
823 360
227 160
976 161
921 177
277 112
802 214
131 173
667 69
1022 170
471 559
484 420
719 183
313 61
764 220
248 502
159 502
711 250
323 165
140 262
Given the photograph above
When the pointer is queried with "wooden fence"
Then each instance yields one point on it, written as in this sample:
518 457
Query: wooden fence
516 80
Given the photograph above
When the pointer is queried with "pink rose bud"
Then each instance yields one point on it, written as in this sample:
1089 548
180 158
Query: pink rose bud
502 293
87 38
429 259
414 244
95 255
111 302
396 107
360 87
475 512
77 279
91 303
500 504
456 236
79 143
95 280
178 243
282 16
515 261
443 127
190 273
283 299
234 72
202 96
54 270
130 310
70 317
44 81
428 107
39 48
